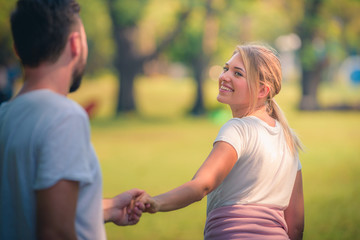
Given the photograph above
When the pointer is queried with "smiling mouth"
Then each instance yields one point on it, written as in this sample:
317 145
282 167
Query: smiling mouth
222 87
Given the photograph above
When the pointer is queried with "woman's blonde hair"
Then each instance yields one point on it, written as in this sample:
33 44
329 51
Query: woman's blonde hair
263 68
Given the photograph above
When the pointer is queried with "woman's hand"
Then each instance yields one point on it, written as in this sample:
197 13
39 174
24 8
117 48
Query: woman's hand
150 204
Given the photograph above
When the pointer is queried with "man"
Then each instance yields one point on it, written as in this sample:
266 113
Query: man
50 179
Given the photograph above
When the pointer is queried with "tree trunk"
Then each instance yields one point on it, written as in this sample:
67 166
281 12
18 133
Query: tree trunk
309 83
126 99
128 62
198 70
128 66
311 73
200 63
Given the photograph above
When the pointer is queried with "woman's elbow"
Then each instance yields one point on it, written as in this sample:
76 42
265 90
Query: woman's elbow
296 231
202 190
296 235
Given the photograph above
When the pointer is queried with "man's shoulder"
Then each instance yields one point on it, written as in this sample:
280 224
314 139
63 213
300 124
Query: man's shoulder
44 104
55 103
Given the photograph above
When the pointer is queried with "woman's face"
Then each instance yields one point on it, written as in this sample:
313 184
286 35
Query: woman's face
233 87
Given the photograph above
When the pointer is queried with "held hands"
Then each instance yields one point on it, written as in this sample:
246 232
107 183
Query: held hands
122 209
127 207
150 204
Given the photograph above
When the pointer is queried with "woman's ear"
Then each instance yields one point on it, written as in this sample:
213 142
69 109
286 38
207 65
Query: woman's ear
263 91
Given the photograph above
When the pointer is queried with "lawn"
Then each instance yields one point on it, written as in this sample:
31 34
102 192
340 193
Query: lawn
160 147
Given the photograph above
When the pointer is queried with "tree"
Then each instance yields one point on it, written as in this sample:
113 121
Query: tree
9 67
98 31
6 51
328 33
129 62
196 45
313 57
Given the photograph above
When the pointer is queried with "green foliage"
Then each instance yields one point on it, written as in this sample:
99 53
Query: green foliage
97 26
240 21
6 51
253 21
129 12
158 20
334 32
5 10
98 30
308 55
189 44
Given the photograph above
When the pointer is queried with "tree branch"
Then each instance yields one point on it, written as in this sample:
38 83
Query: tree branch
169 38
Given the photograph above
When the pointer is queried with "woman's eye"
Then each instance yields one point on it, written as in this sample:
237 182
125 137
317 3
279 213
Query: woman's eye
238 74
225 69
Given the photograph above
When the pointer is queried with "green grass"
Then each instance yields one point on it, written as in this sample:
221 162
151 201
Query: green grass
160 148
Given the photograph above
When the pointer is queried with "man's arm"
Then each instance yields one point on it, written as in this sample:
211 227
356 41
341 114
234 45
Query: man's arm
56 211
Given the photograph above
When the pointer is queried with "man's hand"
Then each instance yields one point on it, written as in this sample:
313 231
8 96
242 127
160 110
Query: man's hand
122 210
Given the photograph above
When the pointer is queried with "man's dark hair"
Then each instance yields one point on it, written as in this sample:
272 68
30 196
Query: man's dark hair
40 29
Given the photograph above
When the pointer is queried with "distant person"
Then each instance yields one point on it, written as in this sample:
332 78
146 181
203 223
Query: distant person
50 178
252 177
8 75
3 84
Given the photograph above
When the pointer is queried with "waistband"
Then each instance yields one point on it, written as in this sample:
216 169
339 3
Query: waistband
245 222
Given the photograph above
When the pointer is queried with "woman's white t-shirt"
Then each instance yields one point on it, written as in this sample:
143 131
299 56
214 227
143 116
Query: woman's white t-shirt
265 170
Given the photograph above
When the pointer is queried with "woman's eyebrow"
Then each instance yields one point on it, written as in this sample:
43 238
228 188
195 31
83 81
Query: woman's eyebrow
241 69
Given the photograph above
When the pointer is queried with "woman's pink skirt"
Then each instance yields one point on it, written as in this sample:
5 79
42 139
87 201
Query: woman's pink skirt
245 222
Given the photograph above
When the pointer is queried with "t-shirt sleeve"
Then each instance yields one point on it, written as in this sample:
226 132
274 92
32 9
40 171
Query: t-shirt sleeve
232 133
298 162
64 153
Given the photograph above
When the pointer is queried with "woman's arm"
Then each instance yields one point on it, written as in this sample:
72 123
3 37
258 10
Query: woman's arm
209 176
294 213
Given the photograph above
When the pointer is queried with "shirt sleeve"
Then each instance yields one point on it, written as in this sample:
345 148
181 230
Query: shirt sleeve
64 153
233 133
298 162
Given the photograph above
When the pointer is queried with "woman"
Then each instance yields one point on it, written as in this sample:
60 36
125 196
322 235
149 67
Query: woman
253 174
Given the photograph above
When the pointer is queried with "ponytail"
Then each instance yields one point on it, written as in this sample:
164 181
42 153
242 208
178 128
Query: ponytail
263 67
291 139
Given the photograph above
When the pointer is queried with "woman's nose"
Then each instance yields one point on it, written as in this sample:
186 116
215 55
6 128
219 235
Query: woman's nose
224 76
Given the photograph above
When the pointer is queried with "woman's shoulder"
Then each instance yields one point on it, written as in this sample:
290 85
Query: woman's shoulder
254 122
244 121
239 125
249 125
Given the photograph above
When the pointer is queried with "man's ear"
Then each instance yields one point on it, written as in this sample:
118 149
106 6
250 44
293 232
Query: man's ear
75 44
263 91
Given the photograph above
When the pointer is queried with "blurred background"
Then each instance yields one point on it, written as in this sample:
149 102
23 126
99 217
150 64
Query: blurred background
150 91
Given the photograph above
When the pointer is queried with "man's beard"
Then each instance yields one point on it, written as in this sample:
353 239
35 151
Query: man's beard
76 77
